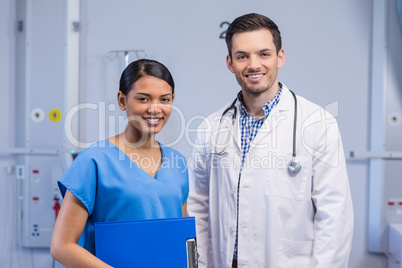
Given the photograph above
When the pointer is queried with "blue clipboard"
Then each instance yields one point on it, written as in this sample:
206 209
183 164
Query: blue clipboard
147 243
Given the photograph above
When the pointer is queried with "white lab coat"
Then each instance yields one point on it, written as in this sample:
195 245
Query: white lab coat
284 221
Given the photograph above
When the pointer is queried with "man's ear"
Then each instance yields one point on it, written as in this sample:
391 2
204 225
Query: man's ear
121 100
229 63
281 58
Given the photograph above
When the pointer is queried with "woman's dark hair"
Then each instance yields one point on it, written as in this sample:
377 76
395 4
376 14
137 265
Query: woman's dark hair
144 67
253 22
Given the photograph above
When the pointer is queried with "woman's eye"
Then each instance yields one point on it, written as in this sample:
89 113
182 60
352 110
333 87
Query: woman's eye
141 99
166 100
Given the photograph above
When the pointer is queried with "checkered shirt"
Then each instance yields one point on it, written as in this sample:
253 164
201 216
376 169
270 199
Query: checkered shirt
249 129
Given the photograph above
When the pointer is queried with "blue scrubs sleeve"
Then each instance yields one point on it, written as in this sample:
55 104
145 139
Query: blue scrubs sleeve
81 179
185 187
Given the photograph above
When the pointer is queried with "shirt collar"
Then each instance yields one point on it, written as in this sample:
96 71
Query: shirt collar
266 107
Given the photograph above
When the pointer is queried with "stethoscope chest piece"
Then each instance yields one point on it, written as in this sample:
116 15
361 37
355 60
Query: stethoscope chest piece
294 167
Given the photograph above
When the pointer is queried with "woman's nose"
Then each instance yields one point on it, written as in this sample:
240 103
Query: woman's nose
154 109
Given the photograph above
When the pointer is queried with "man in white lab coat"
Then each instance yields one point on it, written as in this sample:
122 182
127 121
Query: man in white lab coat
268 180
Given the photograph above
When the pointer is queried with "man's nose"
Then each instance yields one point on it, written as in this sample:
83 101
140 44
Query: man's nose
254 63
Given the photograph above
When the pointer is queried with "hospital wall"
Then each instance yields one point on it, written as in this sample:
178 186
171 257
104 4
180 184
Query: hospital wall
328 46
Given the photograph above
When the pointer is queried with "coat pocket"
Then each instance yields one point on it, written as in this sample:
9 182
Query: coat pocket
279 183
294 254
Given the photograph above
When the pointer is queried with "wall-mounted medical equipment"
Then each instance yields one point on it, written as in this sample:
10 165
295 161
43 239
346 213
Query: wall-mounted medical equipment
385 152
128 55
46 88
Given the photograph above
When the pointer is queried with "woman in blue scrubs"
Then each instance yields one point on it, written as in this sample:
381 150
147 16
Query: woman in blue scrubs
130 176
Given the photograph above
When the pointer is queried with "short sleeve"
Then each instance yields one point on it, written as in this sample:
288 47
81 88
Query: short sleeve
185 188
80 179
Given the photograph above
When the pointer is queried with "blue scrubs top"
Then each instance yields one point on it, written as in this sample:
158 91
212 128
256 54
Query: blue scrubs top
113 188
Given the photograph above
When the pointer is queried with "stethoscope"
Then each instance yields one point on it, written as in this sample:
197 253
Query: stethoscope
294 165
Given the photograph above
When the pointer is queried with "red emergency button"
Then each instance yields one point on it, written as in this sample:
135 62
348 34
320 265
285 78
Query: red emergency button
391 203
35 198
56 206
35 171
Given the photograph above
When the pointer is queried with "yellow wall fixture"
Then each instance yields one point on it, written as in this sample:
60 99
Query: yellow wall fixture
54 115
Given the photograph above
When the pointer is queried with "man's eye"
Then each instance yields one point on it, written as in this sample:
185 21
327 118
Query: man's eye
241 57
